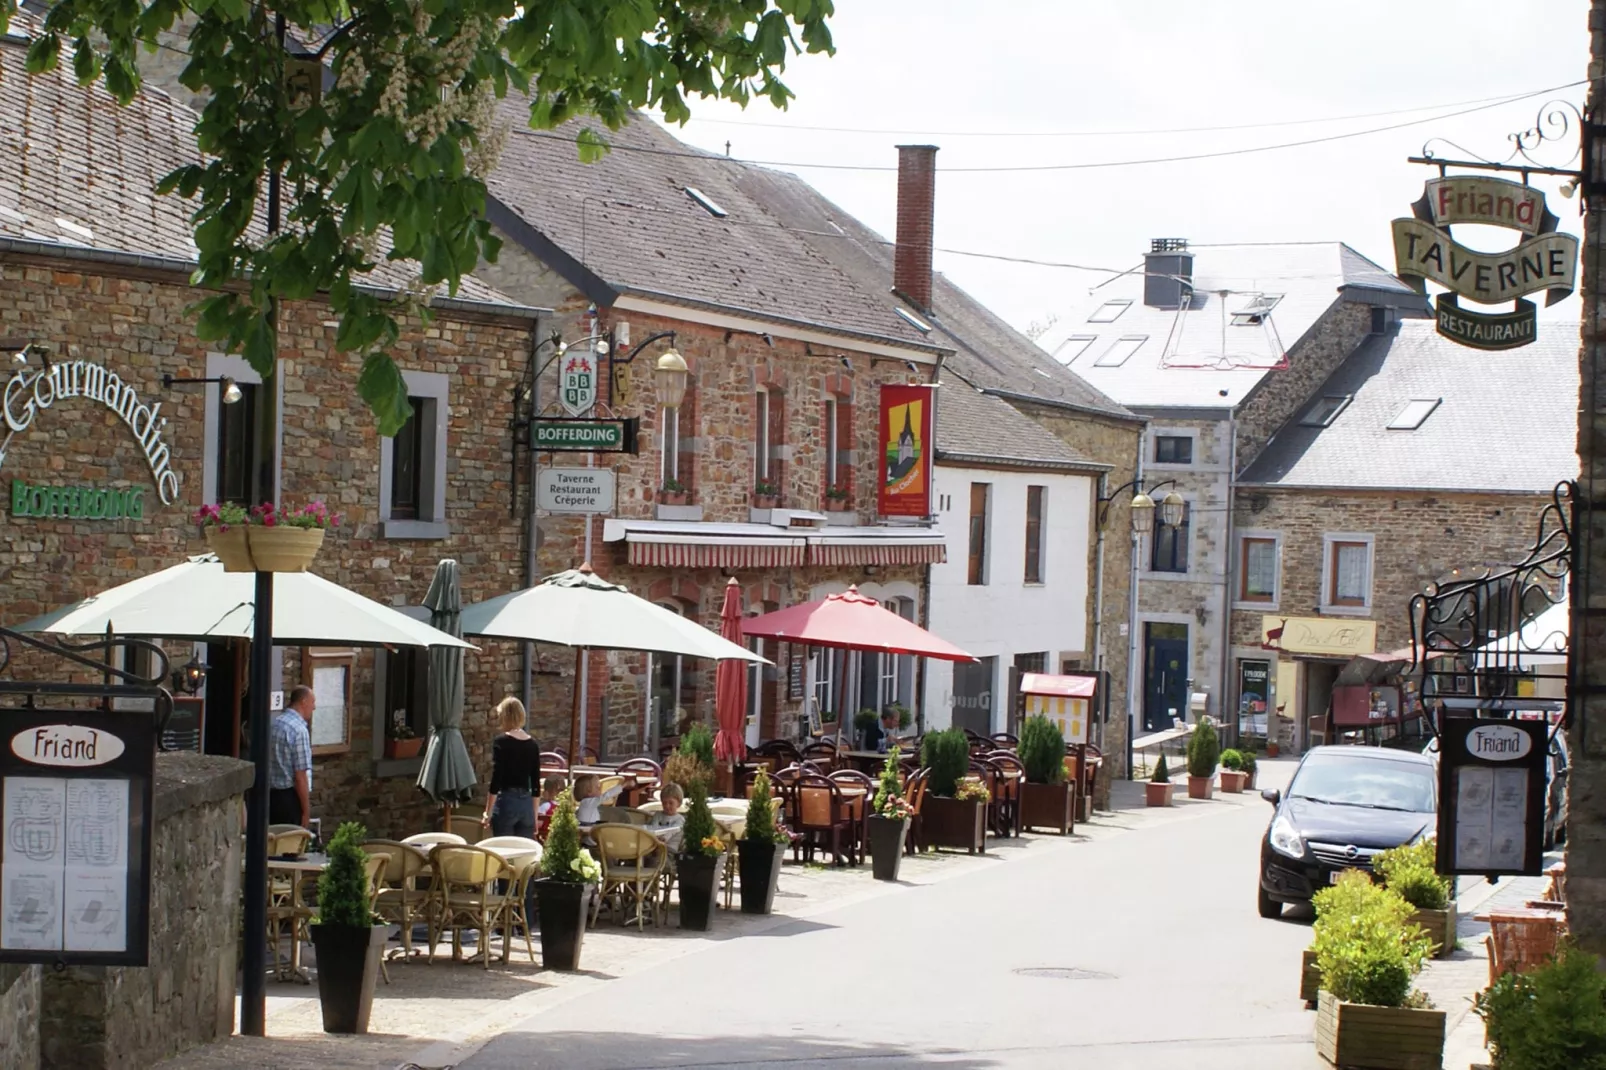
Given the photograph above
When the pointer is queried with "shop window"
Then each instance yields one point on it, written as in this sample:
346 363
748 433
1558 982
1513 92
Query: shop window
1347 573
238 470
404 681
237 465
1173 449
979 495
827 667
1257 569
1034 533
412 465
1169 552
672 688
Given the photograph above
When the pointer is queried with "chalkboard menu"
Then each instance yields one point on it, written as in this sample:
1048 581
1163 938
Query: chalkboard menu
183 728
796 662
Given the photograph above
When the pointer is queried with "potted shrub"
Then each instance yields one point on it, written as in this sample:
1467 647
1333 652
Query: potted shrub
700 864
1045 797
265 538
348 942
864 725
1204 747
673 492
889 822
765 495
1411 872
762 850
836 498
1551 1016
1233 778
951 816
561 892
1248 758
401 741
693 760
1368 951
1157 792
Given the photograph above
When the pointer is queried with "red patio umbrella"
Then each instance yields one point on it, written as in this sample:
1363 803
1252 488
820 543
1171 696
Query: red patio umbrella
730 683
850 621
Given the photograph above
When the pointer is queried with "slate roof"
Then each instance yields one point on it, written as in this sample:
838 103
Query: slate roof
629 221
1506 422
78 169
973 426
1178 362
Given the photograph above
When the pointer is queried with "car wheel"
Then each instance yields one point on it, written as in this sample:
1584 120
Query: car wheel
1268 907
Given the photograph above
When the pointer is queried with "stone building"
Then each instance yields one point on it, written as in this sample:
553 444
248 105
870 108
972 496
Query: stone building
1415 457
1216 346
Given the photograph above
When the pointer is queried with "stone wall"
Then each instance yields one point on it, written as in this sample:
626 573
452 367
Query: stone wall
1114 442
1311 359
127 1018
19 1017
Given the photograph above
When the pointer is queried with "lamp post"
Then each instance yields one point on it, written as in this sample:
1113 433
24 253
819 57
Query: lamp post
1171 510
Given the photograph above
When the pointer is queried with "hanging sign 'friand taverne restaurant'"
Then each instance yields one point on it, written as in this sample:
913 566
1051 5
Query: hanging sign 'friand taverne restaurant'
1542 260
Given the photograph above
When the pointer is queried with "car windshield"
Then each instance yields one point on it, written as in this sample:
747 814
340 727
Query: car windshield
1355 780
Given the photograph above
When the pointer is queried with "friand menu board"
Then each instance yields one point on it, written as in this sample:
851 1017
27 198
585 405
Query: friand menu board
1491 796
75 804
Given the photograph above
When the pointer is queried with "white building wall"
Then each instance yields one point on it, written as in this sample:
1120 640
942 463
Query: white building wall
1007 616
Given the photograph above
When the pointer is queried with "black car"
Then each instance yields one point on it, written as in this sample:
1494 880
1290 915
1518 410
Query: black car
1344 805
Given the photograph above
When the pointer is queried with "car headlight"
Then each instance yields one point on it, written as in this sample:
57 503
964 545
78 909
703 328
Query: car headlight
1284 839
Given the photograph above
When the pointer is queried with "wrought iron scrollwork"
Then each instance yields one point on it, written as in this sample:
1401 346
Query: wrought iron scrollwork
87 660
1558 127
1476 624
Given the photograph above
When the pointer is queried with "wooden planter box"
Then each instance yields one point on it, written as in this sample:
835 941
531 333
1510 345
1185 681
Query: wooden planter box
1157 793
1440 927
1201 787
1378 1038
1310 978
1234 781
403 748
1047 806
955 824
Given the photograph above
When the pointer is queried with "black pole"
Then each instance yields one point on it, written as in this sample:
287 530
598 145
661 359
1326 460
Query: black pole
254 983
253 993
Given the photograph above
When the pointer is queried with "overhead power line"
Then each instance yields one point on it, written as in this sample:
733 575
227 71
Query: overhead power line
1087 166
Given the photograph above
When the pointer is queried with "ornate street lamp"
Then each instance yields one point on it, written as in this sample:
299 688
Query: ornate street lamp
669 378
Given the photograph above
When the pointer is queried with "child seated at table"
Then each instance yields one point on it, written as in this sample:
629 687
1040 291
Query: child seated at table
670 816
591 798
551 788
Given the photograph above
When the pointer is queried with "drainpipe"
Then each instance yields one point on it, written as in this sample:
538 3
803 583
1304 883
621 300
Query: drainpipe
1103 488
1228 587
1132 675
534 402
925 573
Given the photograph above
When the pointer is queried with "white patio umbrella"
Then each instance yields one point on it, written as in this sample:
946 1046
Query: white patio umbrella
580 609
1542 641
199 602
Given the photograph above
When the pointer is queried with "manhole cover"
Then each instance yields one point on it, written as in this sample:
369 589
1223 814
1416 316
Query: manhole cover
1065 973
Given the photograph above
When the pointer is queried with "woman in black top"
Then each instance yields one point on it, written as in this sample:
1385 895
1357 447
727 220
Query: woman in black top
515 772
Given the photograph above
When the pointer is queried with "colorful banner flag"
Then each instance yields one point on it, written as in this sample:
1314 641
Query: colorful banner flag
905 451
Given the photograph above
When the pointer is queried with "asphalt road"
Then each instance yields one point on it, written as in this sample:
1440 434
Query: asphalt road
1136 951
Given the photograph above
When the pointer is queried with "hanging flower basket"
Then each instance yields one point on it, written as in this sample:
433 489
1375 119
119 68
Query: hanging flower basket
265 539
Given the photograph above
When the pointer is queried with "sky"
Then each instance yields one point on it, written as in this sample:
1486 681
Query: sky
1024 71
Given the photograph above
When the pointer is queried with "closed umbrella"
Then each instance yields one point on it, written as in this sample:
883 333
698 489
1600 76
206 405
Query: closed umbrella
730 683
447 775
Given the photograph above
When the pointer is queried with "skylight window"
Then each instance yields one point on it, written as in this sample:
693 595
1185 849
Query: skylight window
1109 311
77 230
1325 411
1119 353
1073 347
706 201
1416 410
1255 312
913 320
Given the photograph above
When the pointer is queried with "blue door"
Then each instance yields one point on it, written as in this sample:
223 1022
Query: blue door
1165 675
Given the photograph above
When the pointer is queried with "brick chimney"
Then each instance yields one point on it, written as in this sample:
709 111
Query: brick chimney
911 257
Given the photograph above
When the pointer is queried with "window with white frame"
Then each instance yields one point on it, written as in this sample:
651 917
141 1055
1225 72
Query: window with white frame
412 465
832 447
761 436
670 445
1257 569
1169 549
1346 573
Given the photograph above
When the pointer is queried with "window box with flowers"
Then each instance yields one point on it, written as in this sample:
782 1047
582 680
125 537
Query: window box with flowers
766 495
401 741
836 498
265 538
673 492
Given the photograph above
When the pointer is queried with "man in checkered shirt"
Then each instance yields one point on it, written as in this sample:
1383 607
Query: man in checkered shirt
290 761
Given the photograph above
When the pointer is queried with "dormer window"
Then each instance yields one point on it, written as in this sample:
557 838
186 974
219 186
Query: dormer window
707 202
1256 311
1325 411
1110 311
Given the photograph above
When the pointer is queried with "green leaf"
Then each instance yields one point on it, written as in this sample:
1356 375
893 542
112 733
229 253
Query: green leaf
381 385
591 145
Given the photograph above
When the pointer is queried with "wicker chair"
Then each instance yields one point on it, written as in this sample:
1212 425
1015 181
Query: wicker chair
404 898
633 863
466 826
467 879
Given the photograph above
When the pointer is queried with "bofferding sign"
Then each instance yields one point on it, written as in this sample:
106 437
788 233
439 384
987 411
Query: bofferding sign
575 490
1542 260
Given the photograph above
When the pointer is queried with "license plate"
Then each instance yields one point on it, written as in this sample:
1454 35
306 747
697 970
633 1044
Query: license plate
1332 878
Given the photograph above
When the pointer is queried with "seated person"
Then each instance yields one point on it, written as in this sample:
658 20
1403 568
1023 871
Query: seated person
551 788
666 824
590 798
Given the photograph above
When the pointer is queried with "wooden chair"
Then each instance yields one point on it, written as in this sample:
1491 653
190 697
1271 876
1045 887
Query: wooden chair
467 878
404 898
822 817
990 774
588 756
466 826
633 862
1006 739
649 777
858 804
822 754
553 761
914 790
775 754
1011 775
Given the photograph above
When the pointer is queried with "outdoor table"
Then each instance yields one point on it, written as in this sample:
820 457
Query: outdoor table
296 869
867 761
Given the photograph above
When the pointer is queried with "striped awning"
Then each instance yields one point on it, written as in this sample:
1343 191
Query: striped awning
712 551
861 551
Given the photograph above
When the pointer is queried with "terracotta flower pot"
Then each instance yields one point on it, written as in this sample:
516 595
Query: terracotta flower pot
1201 787
672 497
765 501
1233 781
1157 793
403 748
836 505
231 548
